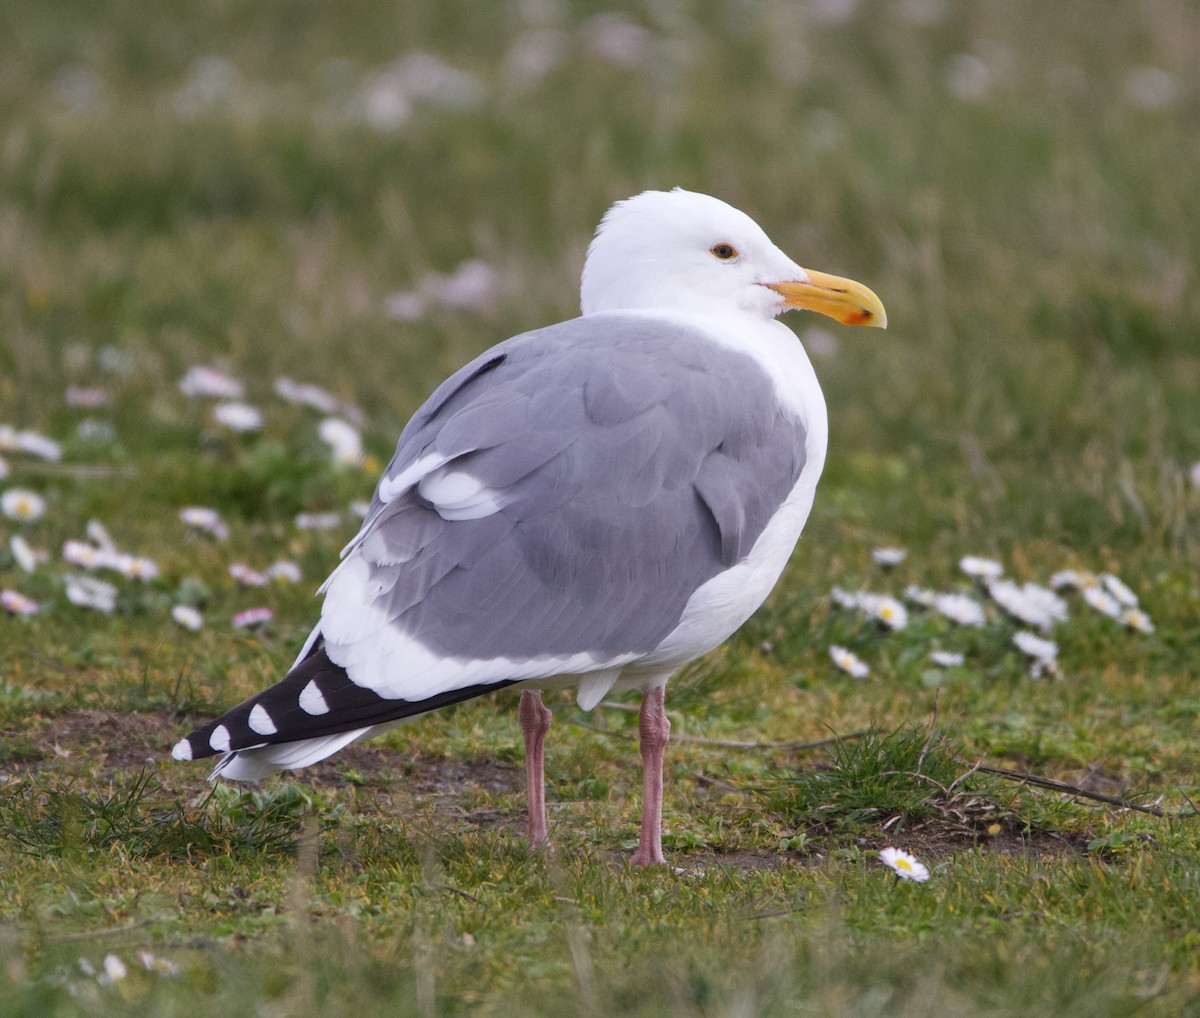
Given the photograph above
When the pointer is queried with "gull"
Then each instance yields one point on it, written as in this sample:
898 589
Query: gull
591 505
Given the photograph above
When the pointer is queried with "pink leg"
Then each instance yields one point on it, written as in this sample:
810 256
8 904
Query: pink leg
654 731
535 723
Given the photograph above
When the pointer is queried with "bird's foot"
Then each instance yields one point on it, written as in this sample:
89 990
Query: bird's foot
647 857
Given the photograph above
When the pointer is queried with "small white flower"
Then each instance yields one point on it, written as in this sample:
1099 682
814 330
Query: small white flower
904 865
1137 619
318 521
91 396
615 37
405 305
968 78
884 609
252 618
1151 88
1073 579
960 609
240 417
981 568
1103 602
87 592
843 598
22 505
1119 590
1194 474
306 394
34 444
134 567
945 658
1043 654
27 557
151 963
471 286
208 520
204 381
188 617
925 598
343 439
114 968
888 557
246 576
1029 603
360 508
16 603
849 662
284 570
88 556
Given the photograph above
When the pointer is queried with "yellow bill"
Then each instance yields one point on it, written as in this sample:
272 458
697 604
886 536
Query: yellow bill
844 300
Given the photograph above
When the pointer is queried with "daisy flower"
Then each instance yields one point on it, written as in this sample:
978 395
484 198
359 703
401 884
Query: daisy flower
360 507
203 518
240 417
1137 619
945 658
1103 602
1043 654
26 556
1073 579
343 440
89 396
1029 603
18 604
252 618
843 598
284 570
960 609
305 394
318 521
849 662
980 568
1119 590
134 567
151 963
204 381
87 592
246 576
925 598
32 443
904 865
884 609
114 970
87 556
188 617
888 557
22 505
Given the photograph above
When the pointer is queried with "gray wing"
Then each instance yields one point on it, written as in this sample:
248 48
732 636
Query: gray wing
563 494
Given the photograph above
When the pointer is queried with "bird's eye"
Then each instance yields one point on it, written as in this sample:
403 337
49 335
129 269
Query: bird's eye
723 251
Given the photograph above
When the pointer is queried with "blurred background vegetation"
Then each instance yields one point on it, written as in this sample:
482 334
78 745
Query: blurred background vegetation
366 194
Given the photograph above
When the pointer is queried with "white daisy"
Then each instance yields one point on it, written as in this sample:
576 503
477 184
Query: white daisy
343 439
360 507
89 396
22 505
99 534
1073 579
843 598
1119 590
34 444
204 381
246 576
1029 603
925 598
904 865
252 618
1043 654
1137 619
958 608
306 394
27 557
946 658
134 567
16 603
188 617
88 556
114 970
981 568
87 592
318 521
203 518
1103 602
884 609
849 662
888 557
284 570
151 963
471 286
240 417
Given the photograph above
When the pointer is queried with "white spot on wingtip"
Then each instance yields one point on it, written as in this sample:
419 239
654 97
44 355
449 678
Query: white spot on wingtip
219 740
182 750
260 721
311 700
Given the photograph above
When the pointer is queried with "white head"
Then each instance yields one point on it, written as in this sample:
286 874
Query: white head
682 250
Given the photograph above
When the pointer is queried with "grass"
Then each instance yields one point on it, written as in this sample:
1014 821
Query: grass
183 185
